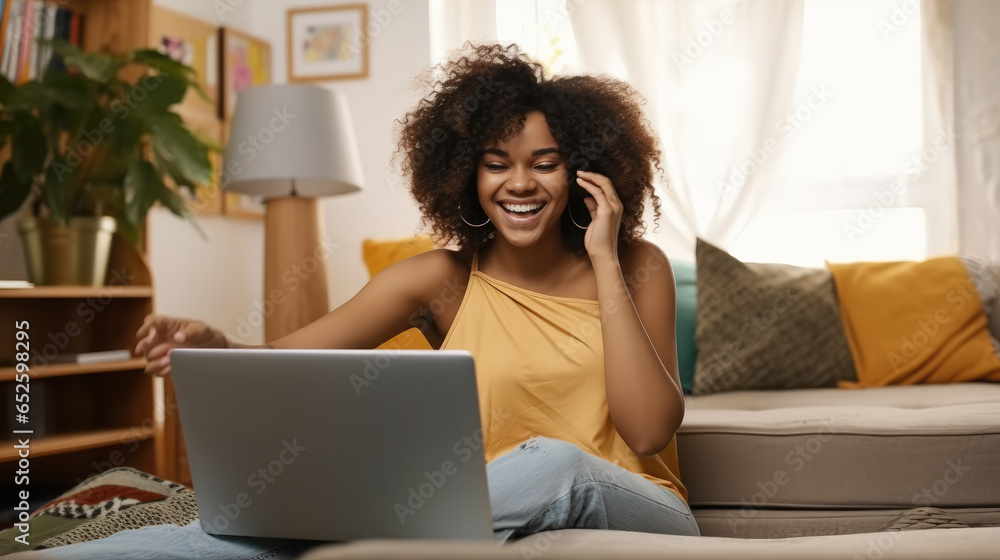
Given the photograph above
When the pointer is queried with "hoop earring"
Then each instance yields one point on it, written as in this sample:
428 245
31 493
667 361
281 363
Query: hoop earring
569 210
467 221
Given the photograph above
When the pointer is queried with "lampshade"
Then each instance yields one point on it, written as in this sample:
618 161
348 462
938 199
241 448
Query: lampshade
292 139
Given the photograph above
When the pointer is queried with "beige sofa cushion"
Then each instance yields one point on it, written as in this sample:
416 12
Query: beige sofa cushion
587 544
885 447
784 523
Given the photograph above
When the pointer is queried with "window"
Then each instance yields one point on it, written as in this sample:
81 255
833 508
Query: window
854 164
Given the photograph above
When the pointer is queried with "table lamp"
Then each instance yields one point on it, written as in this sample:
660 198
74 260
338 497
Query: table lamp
292 144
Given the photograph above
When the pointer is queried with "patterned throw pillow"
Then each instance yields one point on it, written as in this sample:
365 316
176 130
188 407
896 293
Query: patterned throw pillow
766 326
985 276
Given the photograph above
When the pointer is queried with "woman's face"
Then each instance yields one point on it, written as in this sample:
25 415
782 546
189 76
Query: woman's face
522 183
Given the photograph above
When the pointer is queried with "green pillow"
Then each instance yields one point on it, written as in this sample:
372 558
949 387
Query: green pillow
687 305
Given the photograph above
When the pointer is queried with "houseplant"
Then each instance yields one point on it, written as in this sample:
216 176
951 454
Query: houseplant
94 144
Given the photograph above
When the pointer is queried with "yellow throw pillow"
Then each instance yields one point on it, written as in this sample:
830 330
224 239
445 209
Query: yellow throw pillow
381 254
914 322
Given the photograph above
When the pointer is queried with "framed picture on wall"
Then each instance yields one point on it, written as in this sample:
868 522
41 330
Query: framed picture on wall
192 42
244 61
327 43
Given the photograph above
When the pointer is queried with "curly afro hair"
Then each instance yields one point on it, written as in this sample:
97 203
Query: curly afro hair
481 97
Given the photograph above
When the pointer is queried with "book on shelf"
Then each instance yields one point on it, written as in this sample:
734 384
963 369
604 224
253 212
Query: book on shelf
92 357
15 284
24 23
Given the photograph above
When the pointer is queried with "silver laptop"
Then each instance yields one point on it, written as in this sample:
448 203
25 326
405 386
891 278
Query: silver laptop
334 445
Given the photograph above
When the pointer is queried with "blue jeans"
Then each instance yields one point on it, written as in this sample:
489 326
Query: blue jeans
543 484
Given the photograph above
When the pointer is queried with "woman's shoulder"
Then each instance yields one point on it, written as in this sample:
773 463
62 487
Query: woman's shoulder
426 272
644 261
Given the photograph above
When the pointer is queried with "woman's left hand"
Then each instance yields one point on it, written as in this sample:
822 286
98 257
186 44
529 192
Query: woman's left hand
601 239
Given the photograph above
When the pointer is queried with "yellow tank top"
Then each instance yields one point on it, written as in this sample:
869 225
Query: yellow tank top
540 372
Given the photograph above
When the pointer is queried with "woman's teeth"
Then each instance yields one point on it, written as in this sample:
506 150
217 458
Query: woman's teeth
522 208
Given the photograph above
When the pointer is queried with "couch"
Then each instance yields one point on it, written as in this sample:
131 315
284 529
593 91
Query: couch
890 472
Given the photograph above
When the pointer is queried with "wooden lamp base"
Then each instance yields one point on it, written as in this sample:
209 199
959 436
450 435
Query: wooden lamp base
295 255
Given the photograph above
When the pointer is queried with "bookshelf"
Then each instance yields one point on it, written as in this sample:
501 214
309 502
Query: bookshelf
85 418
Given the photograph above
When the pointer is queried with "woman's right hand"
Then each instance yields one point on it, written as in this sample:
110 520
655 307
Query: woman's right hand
159 334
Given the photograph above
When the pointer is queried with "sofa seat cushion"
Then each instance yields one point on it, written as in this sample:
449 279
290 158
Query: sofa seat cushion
591 544
885 447
747 523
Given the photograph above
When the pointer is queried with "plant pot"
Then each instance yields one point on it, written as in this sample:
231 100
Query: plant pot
72 255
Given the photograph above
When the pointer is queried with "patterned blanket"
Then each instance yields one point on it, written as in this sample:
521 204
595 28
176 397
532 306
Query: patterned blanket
105 504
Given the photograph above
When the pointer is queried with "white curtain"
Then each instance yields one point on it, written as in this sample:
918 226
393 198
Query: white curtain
936 189
719 78
971 81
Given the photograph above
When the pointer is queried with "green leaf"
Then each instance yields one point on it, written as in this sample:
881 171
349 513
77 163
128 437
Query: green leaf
168 66
162 63
29 149
12 191
178 206
7 90
101 68
164 91
55 193
174 143
6 129
70 90
167 167
142 189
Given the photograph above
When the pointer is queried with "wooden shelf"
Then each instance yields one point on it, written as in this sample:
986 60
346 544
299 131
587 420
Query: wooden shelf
51 445
59 370
57 292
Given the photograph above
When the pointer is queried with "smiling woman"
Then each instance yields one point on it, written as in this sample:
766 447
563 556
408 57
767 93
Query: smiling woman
540 184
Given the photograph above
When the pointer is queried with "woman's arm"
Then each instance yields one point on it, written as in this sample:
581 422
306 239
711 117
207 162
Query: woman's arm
645 398
386 305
